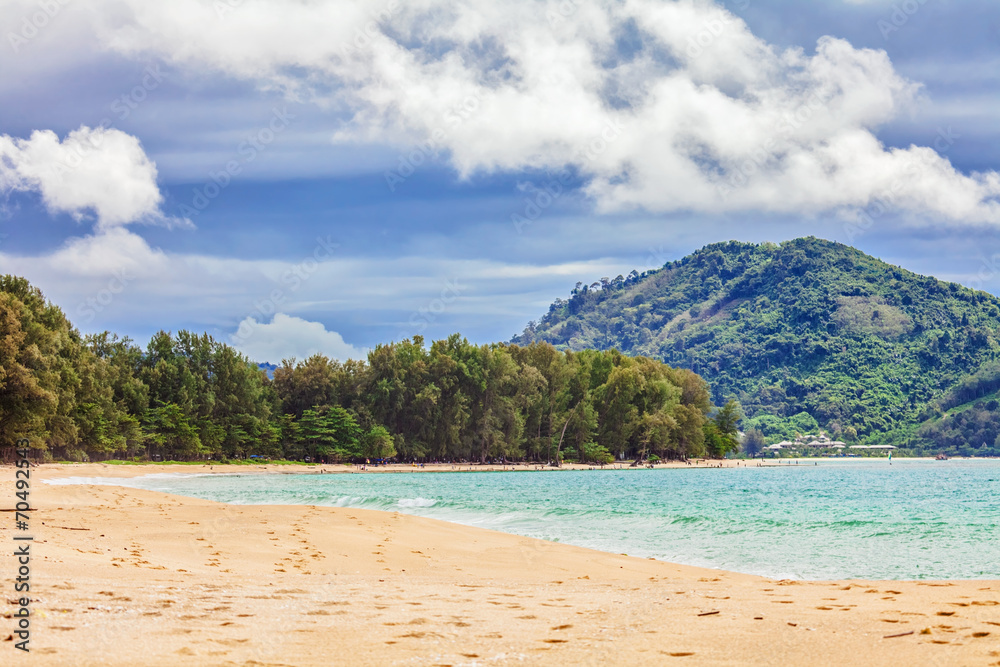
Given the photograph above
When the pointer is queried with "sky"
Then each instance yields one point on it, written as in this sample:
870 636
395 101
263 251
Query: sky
303 176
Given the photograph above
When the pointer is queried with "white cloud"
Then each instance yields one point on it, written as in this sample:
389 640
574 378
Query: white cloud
702 116
108 252
287 336
92 170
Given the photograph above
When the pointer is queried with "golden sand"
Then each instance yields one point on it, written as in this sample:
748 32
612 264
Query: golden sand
130 577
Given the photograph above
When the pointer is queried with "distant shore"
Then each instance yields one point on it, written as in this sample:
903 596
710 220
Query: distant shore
125 576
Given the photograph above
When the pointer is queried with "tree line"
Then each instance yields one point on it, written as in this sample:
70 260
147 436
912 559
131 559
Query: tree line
190 397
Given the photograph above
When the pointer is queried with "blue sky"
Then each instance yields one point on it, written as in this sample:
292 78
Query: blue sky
252 177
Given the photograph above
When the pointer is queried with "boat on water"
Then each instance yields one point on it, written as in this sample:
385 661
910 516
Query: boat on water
941 457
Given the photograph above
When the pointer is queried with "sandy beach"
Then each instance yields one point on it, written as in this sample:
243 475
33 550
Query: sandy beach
130 577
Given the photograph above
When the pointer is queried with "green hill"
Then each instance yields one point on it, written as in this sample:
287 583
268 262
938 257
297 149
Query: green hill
866 349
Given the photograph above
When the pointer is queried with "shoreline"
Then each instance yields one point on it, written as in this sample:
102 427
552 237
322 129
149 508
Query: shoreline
127 470
128 576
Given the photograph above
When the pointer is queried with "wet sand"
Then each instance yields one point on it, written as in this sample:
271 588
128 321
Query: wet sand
132 577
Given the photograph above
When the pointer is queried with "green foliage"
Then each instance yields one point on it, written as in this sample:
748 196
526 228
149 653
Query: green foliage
329 433
170 433
53 390
722 431
461 401
591 452
378 444
971 429
187 396
753 442
865 348
784 428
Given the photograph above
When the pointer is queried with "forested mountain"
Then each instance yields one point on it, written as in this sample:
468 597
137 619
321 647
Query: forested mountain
805 334
189 397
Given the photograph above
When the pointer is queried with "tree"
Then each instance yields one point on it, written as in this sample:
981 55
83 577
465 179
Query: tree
347 435
170 432
378 444
753 442
329 434
25 398
592 452
722 431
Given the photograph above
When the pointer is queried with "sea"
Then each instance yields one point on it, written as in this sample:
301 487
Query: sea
822 520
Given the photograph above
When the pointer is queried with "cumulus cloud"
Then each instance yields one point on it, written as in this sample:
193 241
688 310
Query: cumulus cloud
108 252
659 105
286 336
98 171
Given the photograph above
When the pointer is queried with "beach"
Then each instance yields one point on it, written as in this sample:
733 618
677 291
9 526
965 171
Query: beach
126 576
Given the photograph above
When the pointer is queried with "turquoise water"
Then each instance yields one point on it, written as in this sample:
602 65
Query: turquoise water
835 520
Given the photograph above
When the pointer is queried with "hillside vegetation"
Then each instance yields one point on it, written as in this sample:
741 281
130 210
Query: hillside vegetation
805 334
